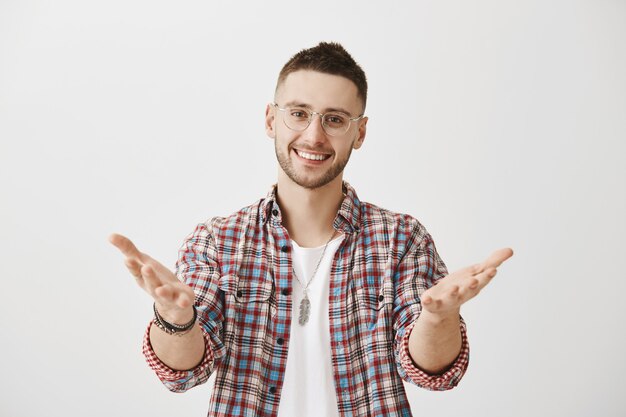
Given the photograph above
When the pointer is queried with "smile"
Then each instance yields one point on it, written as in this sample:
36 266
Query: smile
311 156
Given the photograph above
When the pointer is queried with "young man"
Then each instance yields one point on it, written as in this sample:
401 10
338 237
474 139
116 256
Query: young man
310 302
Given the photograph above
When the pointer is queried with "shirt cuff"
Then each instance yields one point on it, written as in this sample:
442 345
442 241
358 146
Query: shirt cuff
439 382
172 376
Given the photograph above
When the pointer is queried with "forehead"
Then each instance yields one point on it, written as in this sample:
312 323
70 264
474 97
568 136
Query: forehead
320 91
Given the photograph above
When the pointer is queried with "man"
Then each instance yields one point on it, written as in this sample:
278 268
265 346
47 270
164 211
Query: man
310 302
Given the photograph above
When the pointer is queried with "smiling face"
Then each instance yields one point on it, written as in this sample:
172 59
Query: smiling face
311 158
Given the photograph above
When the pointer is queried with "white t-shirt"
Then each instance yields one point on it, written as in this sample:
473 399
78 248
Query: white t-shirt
309 390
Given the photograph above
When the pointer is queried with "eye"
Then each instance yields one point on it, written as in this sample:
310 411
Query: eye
298 113
336 119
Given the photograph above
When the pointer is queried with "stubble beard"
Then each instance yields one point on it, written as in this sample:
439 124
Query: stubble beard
331 173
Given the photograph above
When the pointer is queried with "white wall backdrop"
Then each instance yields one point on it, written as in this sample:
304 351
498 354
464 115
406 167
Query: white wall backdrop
494 122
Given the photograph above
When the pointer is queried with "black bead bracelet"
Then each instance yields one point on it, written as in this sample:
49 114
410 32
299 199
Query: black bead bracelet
172 328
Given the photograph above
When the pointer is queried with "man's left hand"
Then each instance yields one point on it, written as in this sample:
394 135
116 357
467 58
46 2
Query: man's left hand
450 292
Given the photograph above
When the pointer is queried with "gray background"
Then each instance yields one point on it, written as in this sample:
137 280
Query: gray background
496 123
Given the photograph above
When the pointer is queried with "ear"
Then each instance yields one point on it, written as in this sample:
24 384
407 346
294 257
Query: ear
361 133
270 113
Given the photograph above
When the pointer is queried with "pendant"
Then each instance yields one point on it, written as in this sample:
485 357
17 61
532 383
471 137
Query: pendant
305 309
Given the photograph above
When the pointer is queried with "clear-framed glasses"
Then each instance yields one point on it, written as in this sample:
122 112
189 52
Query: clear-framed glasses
334 123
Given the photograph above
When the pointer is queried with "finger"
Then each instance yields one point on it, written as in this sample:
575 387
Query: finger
454 291
476 283
472 270
473 283
134 266
150 278
164 273
174 294
427 299
125 246
184 300
468 291
451 297
497 257
166 293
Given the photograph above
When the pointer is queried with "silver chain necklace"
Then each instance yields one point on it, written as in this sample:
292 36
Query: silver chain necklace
305 304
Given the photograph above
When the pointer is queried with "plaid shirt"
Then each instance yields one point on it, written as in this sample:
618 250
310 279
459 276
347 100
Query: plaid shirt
240 269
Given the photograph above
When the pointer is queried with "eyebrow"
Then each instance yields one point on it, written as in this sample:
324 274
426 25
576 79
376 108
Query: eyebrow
309 107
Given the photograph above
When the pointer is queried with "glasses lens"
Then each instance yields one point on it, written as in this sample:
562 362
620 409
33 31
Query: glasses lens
297 118
336 123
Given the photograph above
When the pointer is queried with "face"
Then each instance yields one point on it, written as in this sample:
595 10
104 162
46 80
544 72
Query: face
311 158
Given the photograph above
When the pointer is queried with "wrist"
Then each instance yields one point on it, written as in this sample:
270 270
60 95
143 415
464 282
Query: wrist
440 317
176 316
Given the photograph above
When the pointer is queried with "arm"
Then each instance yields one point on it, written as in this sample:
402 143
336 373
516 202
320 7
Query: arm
181 362
173 300
435 341
178 352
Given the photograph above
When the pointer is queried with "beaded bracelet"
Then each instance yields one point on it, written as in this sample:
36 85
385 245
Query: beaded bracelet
171 328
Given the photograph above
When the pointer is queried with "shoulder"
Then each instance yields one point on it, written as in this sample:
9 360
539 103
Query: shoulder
235 223
373 215
223 233
401 226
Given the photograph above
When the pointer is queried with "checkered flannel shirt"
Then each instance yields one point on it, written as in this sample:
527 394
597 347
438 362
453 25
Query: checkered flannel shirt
240 268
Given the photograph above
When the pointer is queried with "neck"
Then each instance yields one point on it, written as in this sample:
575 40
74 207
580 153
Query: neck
308 215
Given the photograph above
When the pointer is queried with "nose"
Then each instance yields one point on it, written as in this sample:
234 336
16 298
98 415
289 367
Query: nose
315 131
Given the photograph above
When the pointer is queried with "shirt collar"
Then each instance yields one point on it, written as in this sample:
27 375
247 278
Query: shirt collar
348 219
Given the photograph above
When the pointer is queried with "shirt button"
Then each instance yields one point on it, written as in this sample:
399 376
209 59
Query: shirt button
381 298
280 341
272 390
275 212
285 291
239 294
284 248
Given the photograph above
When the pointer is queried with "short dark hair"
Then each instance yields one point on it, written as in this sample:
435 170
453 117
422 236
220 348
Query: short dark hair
329 58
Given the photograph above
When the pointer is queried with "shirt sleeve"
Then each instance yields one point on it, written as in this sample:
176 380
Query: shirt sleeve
174 380
419 269
197 266
436 382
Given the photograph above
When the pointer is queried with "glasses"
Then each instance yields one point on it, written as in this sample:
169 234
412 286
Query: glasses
333 123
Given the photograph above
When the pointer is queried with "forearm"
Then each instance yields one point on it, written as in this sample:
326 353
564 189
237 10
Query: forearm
435 341
180 353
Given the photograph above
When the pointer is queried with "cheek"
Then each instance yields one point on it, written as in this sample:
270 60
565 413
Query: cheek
342 152
283 140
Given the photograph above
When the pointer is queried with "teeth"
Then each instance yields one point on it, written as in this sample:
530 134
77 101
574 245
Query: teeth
311 156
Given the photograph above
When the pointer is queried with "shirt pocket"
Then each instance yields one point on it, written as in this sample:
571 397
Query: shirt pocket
375 304
248 296
376 318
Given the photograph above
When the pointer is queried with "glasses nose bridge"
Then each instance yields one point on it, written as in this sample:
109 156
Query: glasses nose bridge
314 113
321 125
320 115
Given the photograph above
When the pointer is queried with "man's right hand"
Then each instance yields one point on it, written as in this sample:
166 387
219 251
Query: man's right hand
173 298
